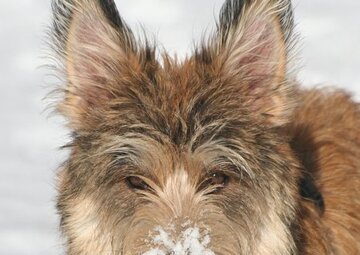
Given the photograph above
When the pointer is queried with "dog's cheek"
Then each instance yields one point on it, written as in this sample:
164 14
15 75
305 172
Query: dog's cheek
84 229
114 202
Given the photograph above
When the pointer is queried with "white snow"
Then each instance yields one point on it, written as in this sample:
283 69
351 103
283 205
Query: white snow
190 242
29 141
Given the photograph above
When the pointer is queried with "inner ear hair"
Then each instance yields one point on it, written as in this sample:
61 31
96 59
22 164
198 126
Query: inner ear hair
97 48
251 50
255 47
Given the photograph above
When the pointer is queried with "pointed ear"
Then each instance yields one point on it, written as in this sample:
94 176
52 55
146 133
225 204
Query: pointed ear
97 48
251 49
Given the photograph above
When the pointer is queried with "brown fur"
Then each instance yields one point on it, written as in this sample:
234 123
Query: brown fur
232 109
326 131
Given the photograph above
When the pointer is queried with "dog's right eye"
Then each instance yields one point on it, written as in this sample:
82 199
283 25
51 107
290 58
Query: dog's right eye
137 183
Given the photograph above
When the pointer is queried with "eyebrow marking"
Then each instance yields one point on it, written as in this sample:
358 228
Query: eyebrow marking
213 150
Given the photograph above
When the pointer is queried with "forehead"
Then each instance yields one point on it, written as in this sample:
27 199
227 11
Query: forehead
169 97
179 114
183 81
161 157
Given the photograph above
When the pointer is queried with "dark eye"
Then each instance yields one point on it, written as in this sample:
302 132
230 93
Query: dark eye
216 181
135 182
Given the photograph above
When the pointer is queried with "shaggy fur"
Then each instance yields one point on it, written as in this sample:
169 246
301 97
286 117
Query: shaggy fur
225 139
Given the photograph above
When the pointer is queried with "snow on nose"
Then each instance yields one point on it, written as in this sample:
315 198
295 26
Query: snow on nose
190 242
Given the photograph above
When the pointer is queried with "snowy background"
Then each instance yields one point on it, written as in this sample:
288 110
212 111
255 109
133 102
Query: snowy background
29 139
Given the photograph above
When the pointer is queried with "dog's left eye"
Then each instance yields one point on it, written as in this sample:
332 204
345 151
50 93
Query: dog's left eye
135 182
218 179
215 182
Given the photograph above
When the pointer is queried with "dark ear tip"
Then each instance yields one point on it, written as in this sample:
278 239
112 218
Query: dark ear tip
232 10
63 12
61 18
111 12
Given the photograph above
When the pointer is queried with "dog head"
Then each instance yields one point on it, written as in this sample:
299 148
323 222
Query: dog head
172 157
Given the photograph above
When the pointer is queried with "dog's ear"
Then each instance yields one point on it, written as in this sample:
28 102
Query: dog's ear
97 48
251 49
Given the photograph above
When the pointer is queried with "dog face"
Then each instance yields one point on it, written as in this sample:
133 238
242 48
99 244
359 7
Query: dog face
177 158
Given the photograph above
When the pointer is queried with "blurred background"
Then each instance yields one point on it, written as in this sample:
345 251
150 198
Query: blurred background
30 139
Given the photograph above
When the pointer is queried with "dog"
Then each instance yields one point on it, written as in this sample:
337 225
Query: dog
221 153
